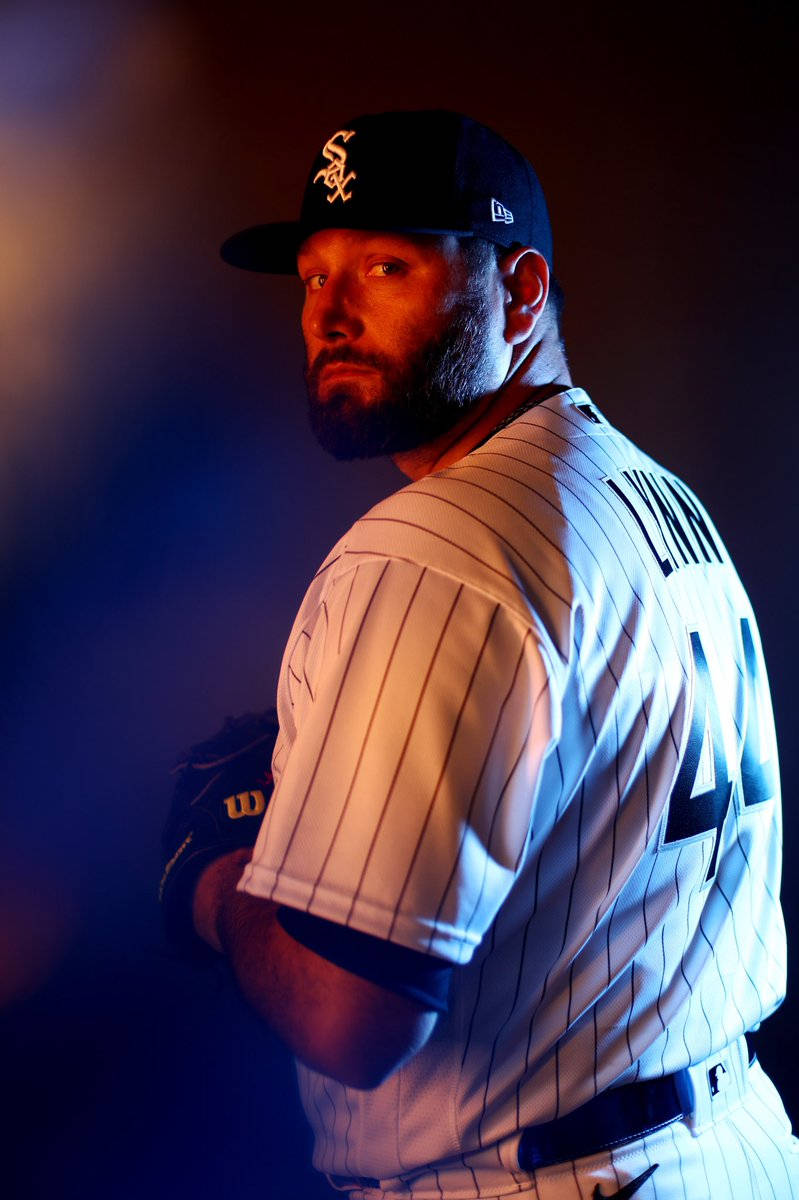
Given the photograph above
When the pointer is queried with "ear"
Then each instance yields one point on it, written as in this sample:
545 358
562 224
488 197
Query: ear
525 277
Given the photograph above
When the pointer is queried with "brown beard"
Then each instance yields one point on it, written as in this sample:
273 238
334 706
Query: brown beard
421 398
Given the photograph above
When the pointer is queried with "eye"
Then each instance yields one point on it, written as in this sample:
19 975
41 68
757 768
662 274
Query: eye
315 282
384 268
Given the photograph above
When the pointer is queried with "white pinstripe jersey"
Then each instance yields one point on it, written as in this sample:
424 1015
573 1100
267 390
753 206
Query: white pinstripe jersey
525 726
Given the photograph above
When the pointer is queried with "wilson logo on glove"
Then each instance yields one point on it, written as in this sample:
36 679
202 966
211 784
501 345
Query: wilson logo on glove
245 804
220 780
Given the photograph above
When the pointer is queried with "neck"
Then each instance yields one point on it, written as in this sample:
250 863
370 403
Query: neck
538 373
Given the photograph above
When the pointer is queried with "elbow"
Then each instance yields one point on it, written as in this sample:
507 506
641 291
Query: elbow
363 1076
365 1062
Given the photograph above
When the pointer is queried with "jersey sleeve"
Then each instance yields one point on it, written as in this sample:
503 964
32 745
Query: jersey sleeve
424 978
416 713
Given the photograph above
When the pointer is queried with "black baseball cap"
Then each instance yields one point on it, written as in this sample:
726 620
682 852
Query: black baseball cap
409 172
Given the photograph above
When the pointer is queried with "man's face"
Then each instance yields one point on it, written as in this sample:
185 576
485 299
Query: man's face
400 339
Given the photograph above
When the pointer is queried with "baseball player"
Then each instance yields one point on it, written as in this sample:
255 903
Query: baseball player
513 902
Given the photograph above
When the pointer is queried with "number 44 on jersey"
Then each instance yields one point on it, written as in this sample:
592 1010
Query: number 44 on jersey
695 810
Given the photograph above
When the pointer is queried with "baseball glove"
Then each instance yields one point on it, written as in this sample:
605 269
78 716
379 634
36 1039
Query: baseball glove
223 787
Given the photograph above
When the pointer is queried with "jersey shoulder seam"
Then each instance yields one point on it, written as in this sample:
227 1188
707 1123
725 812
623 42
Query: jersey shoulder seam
524 617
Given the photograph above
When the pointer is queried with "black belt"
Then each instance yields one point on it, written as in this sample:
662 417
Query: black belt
615 1116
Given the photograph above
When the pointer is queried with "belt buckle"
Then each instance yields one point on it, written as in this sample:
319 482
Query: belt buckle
719 1083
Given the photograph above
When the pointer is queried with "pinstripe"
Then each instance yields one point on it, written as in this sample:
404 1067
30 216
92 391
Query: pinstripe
647 793
598 491
630 1012
648 1161
646 936
530 525
688 1057
294 675
563 993
666 1028
614 829
347 1128
543 537
486 566
615 1172
498 805
545 691
609 923
763 1169
316 1099
701 1150
387 800
398 1105
775 902
753 1183
471 1172
602 529
682 1171
721 1155
557 1069
498 1036
595 1048
389 663
307 683
779 1152
325 616
571 994
326 1088
330 725
526 934
580 815
499 1032
452 472
578 449
728 994
343 623
477 997
535 1012
741 959
592 727
561 795
479 779
708 1022
565 938
434 797
778 1145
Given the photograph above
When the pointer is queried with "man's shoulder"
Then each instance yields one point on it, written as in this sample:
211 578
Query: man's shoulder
490 520
509 485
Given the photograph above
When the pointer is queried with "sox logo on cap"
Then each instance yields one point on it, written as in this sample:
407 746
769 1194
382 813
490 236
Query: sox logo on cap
335 177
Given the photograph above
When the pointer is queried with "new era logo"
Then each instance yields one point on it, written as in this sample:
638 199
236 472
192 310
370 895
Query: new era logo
500 213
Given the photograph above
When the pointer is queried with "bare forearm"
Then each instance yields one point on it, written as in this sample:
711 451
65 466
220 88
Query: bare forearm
335 1022
266 962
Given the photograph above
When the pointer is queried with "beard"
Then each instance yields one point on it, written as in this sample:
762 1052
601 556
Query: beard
420 398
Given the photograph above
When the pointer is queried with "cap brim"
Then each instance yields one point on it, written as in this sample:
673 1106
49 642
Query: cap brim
271 248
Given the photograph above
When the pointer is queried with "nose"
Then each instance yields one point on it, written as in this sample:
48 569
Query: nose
334 312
